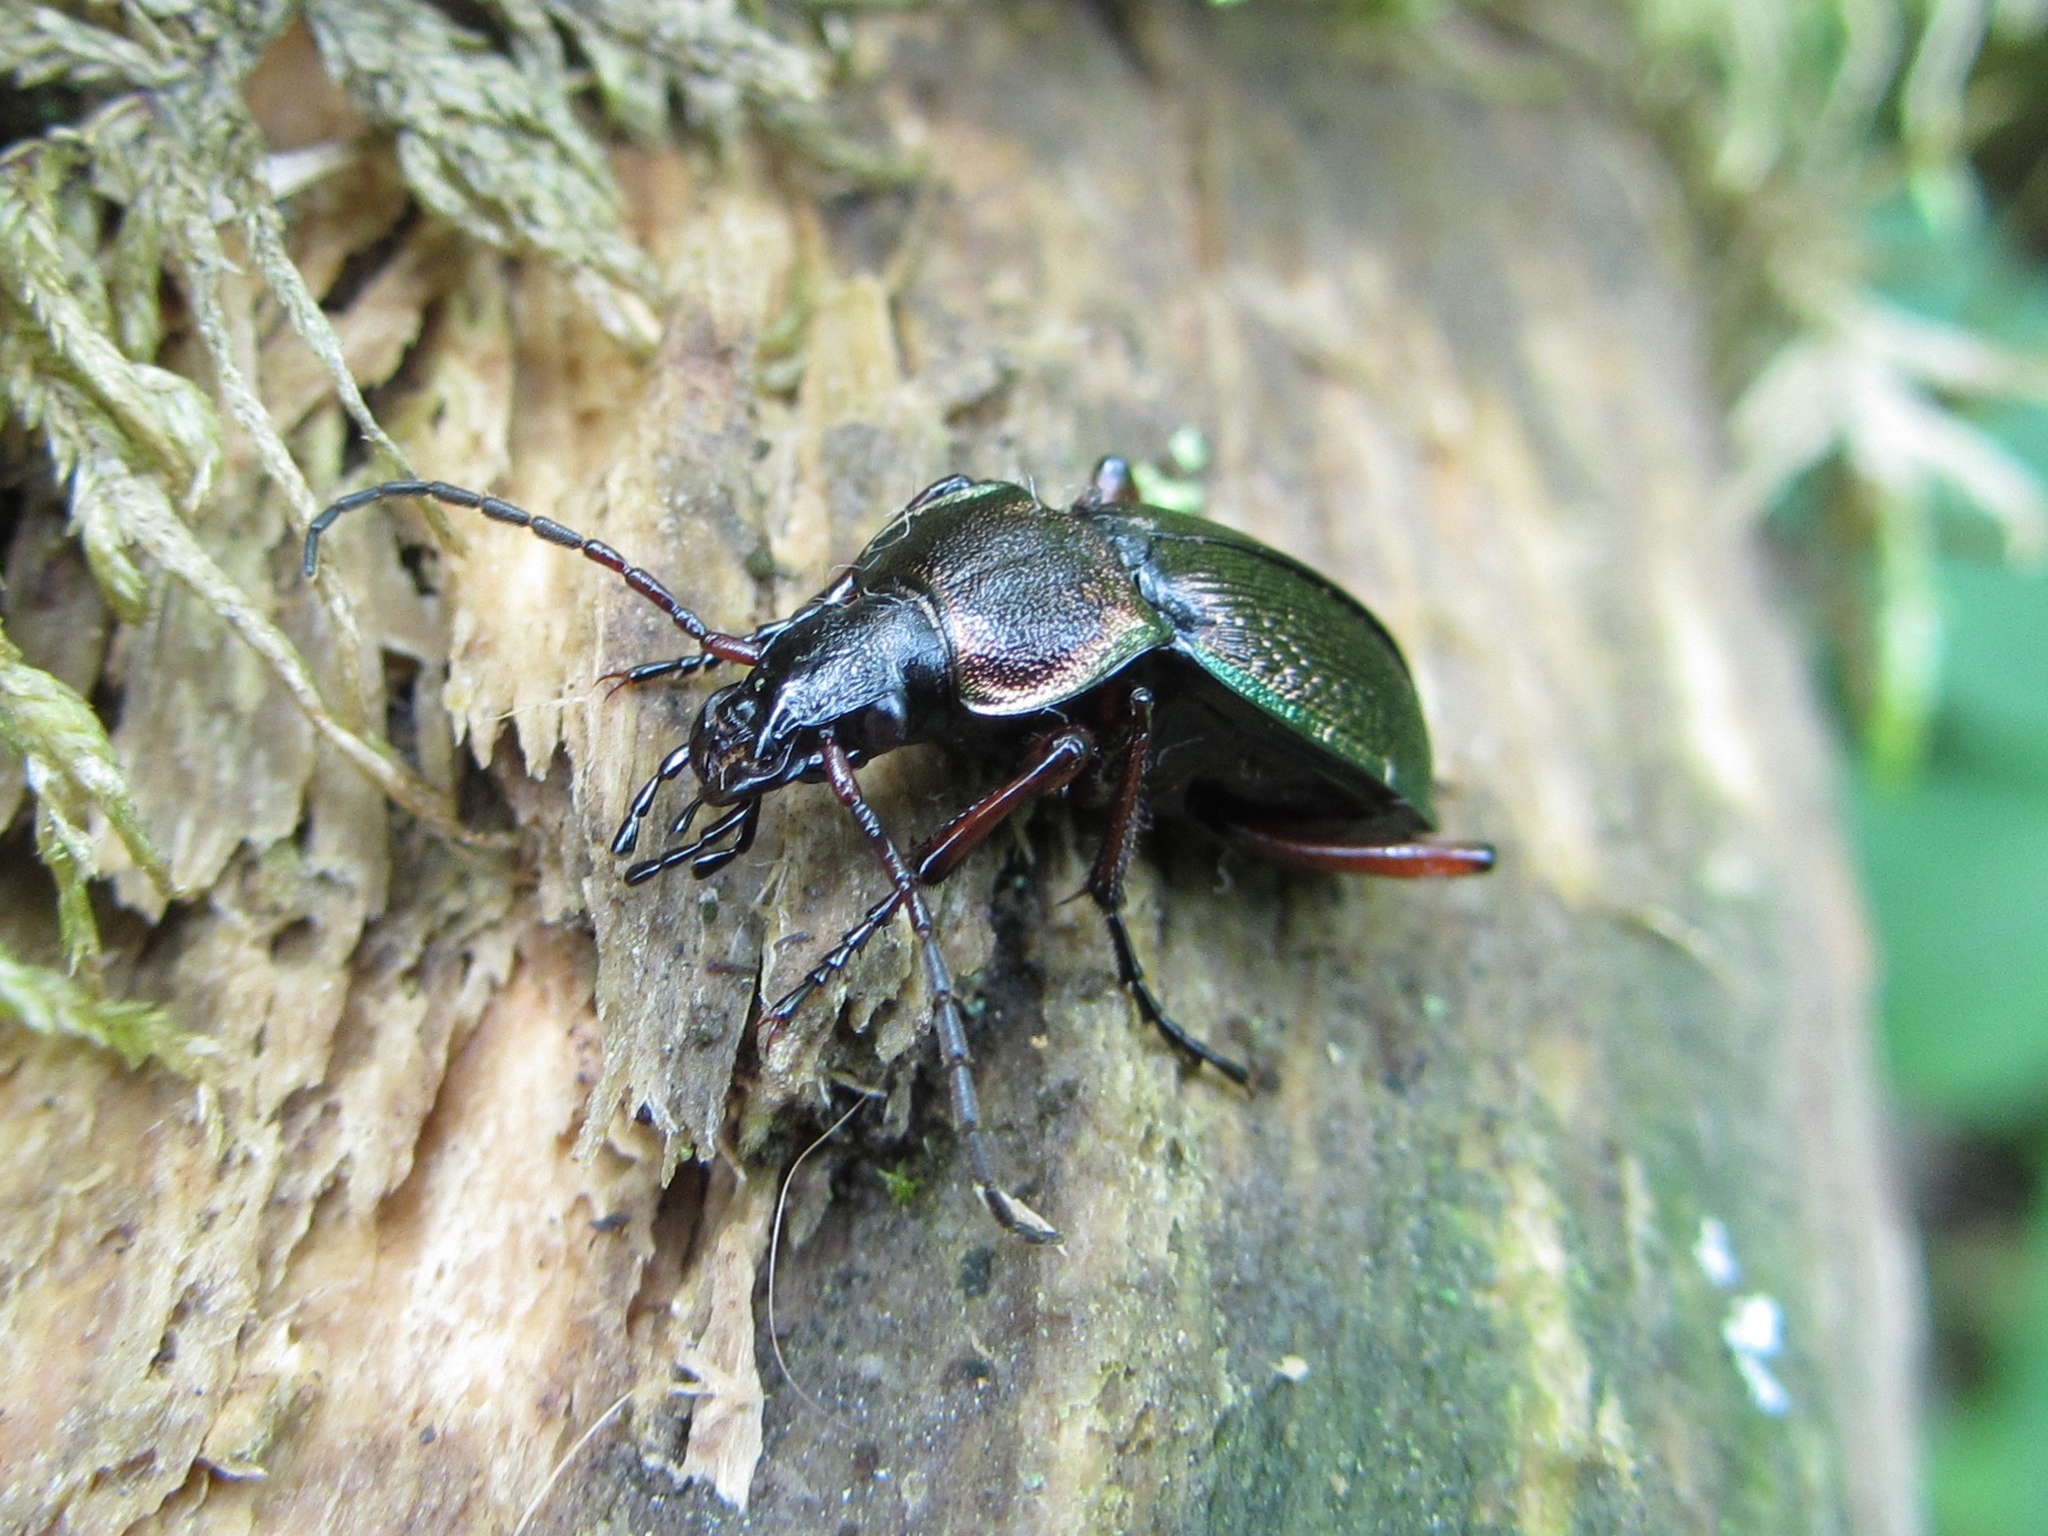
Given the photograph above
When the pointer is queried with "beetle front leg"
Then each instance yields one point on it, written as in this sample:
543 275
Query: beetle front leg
1106 885
946 1019
653 671
687 666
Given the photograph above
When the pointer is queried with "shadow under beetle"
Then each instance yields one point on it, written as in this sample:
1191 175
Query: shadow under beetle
1219 679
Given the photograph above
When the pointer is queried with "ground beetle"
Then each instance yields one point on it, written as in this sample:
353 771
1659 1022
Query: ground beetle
1215 678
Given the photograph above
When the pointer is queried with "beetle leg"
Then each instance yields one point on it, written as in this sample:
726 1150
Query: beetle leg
726 647
741 816
1106 885
837 959
1058 761
1111 484
651 671
1401 861
936 489
1007 1209
671 767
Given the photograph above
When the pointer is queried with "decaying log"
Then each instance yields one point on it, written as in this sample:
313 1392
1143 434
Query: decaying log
1455 1264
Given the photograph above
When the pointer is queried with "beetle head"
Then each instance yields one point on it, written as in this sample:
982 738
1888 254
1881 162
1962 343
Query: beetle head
868 672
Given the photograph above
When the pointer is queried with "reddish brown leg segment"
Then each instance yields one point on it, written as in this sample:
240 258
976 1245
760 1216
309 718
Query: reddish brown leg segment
1054 766
946 1018
1106 885
1399 861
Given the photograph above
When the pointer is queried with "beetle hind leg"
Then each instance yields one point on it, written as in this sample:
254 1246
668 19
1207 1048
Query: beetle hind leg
1331 852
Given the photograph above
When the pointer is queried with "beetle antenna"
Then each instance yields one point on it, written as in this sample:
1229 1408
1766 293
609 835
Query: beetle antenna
716 642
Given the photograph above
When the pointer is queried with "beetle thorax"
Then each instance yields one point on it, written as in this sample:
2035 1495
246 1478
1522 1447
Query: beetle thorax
872 672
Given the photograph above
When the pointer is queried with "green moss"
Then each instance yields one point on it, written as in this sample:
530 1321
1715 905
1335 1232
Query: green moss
1404 1401
162 155
54 1004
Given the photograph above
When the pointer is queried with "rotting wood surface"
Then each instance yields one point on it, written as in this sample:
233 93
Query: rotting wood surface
1438 1273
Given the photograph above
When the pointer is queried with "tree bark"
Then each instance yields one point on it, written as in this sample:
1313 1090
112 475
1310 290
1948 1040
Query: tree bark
1454 1264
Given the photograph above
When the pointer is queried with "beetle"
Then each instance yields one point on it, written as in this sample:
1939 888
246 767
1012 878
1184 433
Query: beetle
1213 678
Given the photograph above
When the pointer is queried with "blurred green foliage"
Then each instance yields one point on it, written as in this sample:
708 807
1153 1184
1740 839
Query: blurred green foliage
1955 857
1989 1447
1957 865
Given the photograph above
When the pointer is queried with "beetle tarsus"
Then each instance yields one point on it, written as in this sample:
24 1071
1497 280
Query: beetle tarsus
1056 763
683 666
1132 976
1017 1217
836 959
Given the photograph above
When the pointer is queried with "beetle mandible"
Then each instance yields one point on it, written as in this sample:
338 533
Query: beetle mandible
1219 680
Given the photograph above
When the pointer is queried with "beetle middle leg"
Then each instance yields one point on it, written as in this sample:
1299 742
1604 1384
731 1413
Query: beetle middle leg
704 661
1056 762
1106 886
946 1018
